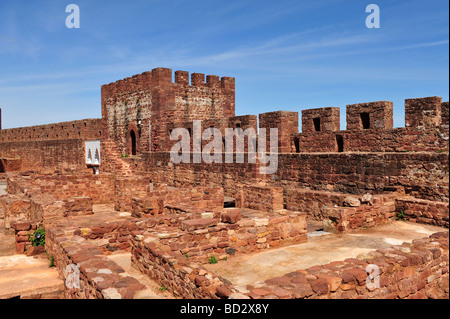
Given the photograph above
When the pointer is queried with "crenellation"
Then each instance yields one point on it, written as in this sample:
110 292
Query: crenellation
287 124
423 113
213 81
321 120
161 76
228 83
182 77
198 79
370 116
445 113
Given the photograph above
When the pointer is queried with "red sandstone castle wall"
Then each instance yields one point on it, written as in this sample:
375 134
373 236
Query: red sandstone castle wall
47 156
424 175
57 146
88 129
393 140
370 128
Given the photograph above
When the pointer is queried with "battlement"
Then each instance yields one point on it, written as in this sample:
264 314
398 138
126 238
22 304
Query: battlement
321 119
163 76
370 128
87 129
374 115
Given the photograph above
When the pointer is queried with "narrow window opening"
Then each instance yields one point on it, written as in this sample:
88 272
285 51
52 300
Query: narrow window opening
133 142
297 144
340 143
317 124
365 121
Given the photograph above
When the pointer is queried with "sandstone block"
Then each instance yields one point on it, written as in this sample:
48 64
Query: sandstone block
351 201
194 224
231 216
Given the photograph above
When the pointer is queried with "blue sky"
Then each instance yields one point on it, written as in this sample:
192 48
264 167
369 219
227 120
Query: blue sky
285 55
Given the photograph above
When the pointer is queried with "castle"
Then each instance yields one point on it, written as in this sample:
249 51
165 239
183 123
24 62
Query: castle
62 170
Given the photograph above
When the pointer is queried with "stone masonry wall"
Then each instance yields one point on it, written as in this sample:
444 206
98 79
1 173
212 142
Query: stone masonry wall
423 211
88 129
100 278
98 187
47 156
328 206
260 197
392 140
423 175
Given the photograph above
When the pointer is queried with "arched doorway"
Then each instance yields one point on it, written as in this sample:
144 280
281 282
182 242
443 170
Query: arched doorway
133 142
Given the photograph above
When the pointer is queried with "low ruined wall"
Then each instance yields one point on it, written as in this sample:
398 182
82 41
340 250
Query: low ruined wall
14 208
126 188
116 235
154 202
329 207
99 277
351 219
312 202
98 187
180 276
417 270
263 198
173 256
22 230
423 211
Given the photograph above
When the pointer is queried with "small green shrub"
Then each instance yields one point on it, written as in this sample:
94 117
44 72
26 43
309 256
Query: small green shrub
212 260
401 215
52 261
38 237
